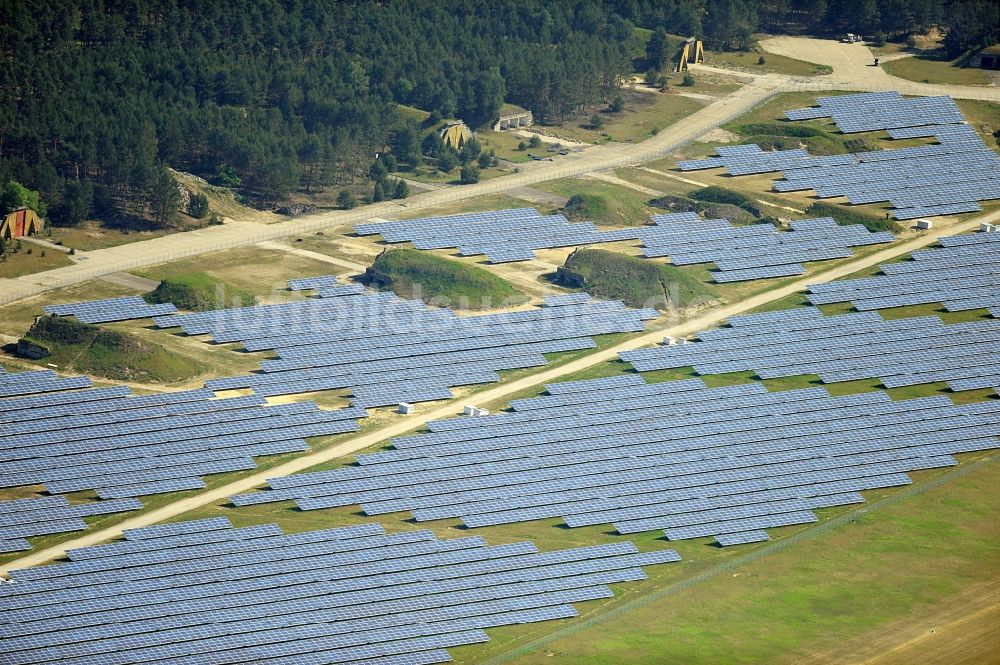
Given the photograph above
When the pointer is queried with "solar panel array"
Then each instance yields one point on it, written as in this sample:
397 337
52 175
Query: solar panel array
502 235
678 456
752 252
873 111
386 350
846 347
307 283
963 274
945 178
111 309
23 518
124 446
205 593
13 384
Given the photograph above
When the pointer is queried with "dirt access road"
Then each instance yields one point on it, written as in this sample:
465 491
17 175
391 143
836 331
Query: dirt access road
503 391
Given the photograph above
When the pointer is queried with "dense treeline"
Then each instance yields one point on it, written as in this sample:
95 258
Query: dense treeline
98 97
731 23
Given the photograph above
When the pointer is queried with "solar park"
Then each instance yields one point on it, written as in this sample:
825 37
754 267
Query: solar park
388 350
962 274
633 455
947 177
741 253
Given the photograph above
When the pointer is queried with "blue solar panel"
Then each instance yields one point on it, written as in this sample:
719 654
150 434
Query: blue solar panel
113 309
678 456
502 235
337 595
911 179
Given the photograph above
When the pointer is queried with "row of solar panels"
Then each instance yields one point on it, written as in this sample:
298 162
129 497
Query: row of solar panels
651 456
204 592
868 112
961 277
387 350
112 309
753 252
948 178
502 235
841 348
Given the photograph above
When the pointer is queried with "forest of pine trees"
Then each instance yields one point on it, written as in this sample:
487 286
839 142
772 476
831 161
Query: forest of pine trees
99 97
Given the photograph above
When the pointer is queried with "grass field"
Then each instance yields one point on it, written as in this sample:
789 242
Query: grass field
93 235
271 269
505 144
16 264
644 113
773 63
934 69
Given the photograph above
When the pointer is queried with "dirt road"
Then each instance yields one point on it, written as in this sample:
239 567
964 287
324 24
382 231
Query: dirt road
503 391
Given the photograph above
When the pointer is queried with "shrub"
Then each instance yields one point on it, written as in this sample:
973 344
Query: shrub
522 146
761 60
62 330
198 205
447 160
688 80
346 200
469 174
534 141
227 176
777 129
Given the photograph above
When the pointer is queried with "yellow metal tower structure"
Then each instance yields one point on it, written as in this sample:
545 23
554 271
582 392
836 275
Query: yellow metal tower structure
698 54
